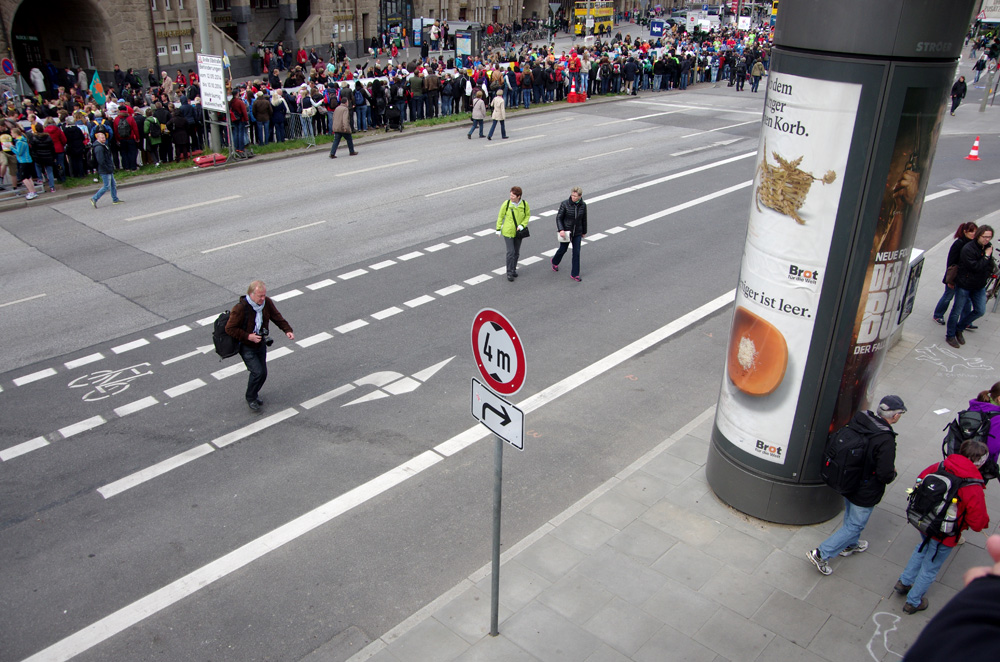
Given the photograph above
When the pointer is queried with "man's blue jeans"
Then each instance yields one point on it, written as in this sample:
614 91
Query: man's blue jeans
526 97
108 184
855 519
239 137
960 318
255 358
923 569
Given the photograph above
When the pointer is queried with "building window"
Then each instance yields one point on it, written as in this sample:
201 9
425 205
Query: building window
166 5
189 47
73 60
88 56
175 49
152 4
161 51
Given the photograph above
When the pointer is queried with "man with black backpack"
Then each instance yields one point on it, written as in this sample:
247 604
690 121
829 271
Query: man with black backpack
947 499
859 462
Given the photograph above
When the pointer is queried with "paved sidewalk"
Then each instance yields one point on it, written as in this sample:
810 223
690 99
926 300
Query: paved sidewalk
652 566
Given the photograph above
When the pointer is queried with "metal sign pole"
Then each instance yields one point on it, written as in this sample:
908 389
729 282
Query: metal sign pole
497 497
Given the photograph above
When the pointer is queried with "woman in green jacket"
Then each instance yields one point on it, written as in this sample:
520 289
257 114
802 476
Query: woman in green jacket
513 216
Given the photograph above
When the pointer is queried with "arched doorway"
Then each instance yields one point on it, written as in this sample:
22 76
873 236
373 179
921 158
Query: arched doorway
67 33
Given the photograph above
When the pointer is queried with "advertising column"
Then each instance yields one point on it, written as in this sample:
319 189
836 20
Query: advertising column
851 119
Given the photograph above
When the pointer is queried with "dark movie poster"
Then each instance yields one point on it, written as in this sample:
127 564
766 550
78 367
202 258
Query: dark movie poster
888 263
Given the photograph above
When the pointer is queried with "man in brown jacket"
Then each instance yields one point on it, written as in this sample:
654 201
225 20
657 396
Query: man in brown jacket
341 129
262 112
248 323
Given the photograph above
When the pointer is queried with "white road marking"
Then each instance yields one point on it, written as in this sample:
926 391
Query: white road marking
410 256
640 117
595 156
382 265
177 209
481 278
616 135
82 426
138 405
551 212
204 349
139 477
234 369
155 602
176 331
721 128
940 194
388 312
22 448
263 236
353 274
253 428
462 240
474 434
181 389
550 252
312 340
501 271
992 181
351 326
31 298
515 140
278 353
34 377
687 205
941 411
459 188
326 397
321 284
558 121
419 301
718 143
205 321
483 233
667 178
597 236
721 109
530 260
84 360
129 346
615 230
286 295
451 289
437 247
378 167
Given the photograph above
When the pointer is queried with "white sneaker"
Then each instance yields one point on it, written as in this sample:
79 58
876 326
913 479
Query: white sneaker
855 549
31 196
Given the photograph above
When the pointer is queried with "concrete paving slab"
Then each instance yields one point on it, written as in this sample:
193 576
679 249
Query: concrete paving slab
691 527
734 637
548 636
782 650
642 542
669 644
551 558
519 585
794 619
680 607
644 488
585 532
687 565
429 641
792 574
621 575
616 509
737 590
468 615
496 649
623 626
576 597
846 600
739 550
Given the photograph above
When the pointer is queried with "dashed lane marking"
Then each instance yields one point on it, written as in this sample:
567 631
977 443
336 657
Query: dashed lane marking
83 360
31 298
378 167
139 477
388 312
129 346
34 377
327 282
501 271
326 397
82 426
617 135
351 326
204 349
597 236
687 205
234 369
410 256
462 239
170 333
721 128
640 117
353 274
262 424
186 387
382 265
451 289
464 186
313 340
286 295
616 229
437 247
138 405
483 233
419 301
278 353
22 448
597 156
177 209
550 212
263 236
205 321
529 260
515 140
481 278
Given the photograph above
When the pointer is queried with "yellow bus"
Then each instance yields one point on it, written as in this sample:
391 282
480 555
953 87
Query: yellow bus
602 11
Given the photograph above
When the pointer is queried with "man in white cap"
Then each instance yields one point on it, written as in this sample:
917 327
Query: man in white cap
878 471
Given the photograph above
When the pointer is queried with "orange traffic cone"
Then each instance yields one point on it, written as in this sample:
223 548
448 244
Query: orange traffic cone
974 154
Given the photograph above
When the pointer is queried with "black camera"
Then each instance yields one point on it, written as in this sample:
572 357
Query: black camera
263 335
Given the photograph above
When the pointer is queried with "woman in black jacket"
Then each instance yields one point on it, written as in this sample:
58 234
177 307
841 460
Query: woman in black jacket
178 127
975 265
963 235
43 153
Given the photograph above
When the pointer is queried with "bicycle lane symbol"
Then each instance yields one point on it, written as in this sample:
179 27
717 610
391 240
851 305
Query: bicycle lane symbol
106 383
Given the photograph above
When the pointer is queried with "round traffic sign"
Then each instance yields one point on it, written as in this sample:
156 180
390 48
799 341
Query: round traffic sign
498 352
8 67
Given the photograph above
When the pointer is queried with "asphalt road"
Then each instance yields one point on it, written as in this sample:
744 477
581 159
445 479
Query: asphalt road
298 529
